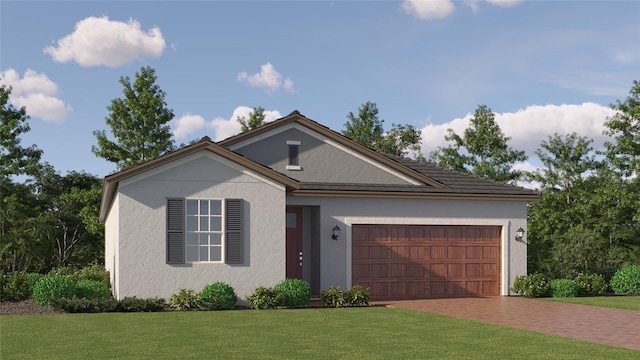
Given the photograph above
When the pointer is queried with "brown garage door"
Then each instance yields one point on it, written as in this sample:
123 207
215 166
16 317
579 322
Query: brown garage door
420 261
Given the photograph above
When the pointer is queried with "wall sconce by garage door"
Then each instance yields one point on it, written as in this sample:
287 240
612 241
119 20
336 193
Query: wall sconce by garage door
335 232
520 234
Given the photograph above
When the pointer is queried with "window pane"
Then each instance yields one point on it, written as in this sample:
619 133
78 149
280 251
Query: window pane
192 253
204 239
204 223
204 207
293 155
192 207
216 224
216 253
216 207
204 253
216 239
192 223
192 238
292 219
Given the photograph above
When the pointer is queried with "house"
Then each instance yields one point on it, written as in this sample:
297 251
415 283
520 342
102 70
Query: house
294 199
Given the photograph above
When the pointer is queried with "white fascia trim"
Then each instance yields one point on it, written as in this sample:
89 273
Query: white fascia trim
194 156
327 141
504 248
293 142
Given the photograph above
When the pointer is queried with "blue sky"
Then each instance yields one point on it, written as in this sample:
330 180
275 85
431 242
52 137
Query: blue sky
541 66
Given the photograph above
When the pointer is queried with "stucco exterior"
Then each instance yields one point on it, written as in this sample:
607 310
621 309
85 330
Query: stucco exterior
140 268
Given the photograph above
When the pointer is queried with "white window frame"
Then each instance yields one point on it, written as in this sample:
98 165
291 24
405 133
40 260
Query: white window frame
198 216
290 166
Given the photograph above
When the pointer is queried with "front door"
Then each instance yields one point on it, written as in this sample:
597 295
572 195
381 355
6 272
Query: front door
294 242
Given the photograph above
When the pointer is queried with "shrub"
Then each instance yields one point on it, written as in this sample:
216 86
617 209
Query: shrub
357 296
332 297
185 300
63 271
534 285
52 287
83 305
92 289
293 293
93 272
590 285
626 280
218 296
32 279
563 288
15 287
134 304
263 298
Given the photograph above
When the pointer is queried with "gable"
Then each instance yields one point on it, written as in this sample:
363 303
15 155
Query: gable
320 159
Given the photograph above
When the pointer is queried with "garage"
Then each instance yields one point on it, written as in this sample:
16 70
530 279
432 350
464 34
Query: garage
426 261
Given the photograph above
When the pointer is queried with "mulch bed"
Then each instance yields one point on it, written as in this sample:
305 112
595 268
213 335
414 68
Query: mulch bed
25 307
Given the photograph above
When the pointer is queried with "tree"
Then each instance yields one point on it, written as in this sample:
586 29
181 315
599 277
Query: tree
367 129
624 127
482 150
139 123
256 118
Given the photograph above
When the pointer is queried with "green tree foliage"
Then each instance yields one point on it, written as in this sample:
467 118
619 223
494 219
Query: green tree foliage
482 150
256 119
624 127
367 129
139 123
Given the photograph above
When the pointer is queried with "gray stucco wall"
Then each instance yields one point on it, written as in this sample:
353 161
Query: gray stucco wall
141 268
320 161
336 255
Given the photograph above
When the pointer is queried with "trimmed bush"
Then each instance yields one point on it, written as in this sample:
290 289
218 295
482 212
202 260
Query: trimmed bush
332 297
32 279
63 271
263 298
563 288
590 285
294 293
83 305
534 285
357 296
134 304
185 300
92 289
626 280
218 296
53 287
15 287
93 272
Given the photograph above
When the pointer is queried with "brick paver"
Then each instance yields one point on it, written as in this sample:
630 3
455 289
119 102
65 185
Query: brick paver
592 323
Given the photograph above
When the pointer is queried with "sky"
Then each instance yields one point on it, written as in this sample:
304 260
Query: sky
543 67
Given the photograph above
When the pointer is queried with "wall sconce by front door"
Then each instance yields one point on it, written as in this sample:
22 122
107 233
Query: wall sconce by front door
520 234
335 232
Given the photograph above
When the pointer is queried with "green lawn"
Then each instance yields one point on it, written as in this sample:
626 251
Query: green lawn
368 333
618 302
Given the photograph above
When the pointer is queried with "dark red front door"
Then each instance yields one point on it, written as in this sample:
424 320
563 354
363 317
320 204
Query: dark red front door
294 242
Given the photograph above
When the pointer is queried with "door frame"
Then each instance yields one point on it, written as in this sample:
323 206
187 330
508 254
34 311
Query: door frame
294 245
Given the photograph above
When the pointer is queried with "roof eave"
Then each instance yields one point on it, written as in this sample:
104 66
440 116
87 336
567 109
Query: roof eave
414 195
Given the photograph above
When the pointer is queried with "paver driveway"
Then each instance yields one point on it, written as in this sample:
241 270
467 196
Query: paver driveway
592 323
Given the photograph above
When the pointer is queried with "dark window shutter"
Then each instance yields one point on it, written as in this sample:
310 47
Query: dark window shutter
175 231
233 231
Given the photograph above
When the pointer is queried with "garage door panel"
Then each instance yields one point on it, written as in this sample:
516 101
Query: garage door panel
397 261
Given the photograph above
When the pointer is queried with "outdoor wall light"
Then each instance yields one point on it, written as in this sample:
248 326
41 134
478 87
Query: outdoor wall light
335 232
519 234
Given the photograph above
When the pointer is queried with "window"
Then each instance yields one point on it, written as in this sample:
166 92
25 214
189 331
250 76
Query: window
294 161
204 230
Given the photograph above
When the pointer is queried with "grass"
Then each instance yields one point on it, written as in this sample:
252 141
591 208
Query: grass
370 333
618 302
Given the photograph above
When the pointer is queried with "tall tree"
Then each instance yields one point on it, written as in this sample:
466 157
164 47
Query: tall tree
367 129
139 123
624 127
482 150
256 118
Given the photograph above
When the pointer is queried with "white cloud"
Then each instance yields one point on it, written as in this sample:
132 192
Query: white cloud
37 93
98 41
504 3
267 78
528 127
222 127
428 9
